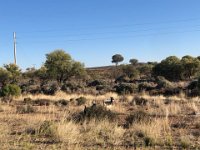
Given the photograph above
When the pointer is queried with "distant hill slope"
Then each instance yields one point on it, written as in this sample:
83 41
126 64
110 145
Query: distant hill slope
100 68
109 67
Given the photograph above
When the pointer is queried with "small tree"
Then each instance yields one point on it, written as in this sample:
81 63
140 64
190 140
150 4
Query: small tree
146 70
190 65
61 67
198 85
130 71
198 58
117 58
133 61
4 76
170 68
14 70
41 73
10 90
78 69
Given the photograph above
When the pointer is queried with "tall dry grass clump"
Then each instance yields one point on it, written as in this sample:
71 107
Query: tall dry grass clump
154 132
102 133
89 134
69 133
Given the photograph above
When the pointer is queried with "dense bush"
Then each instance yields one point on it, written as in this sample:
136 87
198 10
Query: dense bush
193 88
50 88
62 102
198 85
163 83
25 109
122 78
48 129
145 86
136 117
32 86
149 141
10 90
170 68
27 100
81 101
125 88
97 112
95 83
69 87
130 71
175 69
5 76
140 101
42 102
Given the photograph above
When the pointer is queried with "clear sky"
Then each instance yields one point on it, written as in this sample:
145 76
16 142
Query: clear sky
91 31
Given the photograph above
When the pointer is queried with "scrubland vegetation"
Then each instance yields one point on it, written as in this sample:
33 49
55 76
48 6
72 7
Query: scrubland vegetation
61 105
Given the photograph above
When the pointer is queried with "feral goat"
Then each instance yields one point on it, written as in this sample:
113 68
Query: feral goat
108 101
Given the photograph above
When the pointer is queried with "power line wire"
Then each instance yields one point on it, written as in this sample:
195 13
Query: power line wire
117 37
117 26
113 32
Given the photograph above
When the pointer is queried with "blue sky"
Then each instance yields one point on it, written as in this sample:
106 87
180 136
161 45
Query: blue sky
91 31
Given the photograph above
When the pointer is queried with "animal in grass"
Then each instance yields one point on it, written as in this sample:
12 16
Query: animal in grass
94 103
108 102
92 106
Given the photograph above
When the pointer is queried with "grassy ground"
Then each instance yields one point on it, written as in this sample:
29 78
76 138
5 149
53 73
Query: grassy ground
141 122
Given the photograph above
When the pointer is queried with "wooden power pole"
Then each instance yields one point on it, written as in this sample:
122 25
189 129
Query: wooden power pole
15 47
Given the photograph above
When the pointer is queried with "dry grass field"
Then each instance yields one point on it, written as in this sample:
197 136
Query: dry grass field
132 122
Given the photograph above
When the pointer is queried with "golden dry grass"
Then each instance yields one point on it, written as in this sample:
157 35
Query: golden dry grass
101 134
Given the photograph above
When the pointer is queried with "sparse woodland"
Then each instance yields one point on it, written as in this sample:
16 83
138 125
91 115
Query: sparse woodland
61 105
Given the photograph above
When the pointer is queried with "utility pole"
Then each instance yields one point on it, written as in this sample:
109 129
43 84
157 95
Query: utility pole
15 47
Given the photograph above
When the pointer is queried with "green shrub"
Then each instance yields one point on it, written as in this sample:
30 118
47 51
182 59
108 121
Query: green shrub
42 102
138 116
185 142
10 90
140 101
27 100
50 88
198 85
169 140
62 102
81 101
125 88
122 78
163 83
97 112
48 129
95 83
146 86
149 141
72 87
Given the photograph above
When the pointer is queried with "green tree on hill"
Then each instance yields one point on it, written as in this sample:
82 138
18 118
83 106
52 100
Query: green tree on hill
130 71
10 90
117 58
190 65
170 68
61 67
15 72
133 61
5 76
198 85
